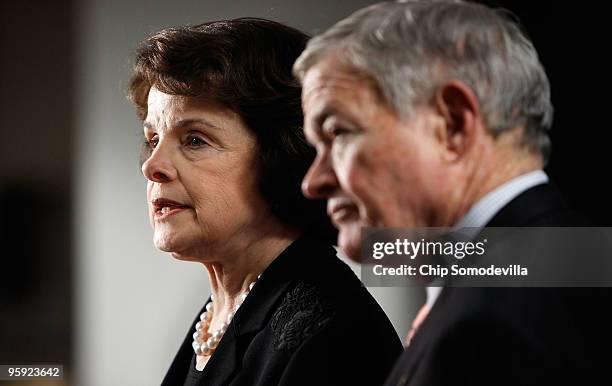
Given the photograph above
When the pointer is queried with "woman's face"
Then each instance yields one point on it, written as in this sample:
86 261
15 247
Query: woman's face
202 180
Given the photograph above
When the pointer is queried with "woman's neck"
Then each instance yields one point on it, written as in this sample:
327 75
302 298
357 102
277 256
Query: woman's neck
231 277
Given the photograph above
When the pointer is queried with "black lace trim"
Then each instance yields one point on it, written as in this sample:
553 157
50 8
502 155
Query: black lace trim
301 315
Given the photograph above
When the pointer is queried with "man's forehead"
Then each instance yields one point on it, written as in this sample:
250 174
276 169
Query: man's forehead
319 83
331 72
328 90
329 81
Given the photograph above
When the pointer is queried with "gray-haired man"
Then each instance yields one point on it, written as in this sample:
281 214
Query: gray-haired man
435 114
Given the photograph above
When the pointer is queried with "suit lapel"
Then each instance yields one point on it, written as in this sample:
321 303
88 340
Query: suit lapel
536 206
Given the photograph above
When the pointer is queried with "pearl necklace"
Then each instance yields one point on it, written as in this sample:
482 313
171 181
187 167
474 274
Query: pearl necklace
204 342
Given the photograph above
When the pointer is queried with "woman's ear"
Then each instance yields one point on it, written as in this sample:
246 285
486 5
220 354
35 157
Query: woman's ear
458 106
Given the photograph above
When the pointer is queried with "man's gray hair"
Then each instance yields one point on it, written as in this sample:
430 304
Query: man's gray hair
411 48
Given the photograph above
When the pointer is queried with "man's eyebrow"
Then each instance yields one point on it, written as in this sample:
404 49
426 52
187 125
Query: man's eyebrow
323 113
315 130
185 122
312 126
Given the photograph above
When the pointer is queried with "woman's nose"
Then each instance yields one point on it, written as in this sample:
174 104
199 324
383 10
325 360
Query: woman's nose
159 166
320 181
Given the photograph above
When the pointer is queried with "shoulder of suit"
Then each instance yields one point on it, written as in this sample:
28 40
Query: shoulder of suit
303 312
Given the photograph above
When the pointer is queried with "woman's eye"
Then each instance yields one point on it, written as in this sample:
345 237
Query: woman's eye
148 145
151 143
195 142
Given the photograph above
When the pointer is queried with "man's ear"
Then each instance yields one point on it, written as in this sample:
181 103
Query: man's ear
458 106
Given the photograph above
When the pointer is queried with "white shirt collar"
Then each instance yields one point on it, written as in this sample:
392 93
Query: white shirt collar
491 203
483 211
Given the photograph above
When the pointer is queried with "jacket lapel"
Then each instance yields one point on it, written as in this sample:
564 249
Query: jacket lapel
533 207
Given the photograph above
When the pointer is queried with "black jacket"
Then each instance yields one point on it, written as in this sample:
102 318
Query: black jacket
307 321
513 336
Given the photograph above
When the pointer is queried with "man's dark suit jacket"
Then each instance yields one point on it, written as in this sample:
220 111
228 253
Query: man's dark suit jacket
513 336
307 321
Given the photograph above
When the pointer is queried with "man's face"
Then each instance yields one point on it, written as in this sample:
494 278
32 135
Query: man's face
374 168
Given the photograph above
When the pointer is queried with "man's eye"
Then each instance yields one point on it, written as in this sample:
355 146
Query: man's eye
339 131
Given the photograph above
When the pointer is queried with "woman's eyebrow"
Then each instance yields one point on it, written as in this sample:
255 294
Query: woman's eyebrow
147 125
189 121
181 123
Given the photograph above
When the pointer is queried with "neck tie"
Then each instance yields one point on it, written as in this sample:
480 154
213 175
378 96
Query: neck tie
420 317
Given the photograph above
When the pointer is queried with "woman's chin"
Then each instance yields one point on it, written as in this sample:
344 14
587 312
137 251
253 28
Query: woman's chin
181 256
174 248
165 243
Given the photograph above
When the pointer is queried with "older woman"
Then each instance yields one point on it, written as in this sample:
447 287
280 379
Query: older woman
224 156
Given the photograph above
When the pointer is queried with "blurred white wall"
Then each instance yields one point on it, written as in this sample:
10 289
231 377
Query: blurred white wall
134 304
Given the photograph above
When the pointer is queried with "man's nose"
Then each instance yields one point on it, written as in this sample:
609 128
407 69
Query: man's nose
320 181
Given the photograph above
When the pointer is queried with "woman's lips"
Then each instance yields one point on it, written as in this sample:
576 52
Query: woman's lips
168 211
163 208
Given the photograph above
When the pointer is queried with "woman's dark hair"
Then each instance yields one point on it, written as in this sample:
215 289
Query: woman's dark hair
246 65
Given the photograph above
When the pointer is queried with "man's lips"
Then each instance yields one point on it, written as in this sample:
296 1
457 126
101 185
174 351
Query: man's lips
342 211
163 207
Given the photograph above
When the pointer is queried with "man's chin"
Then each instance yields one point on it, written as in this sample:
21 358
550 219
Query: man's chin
350 245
